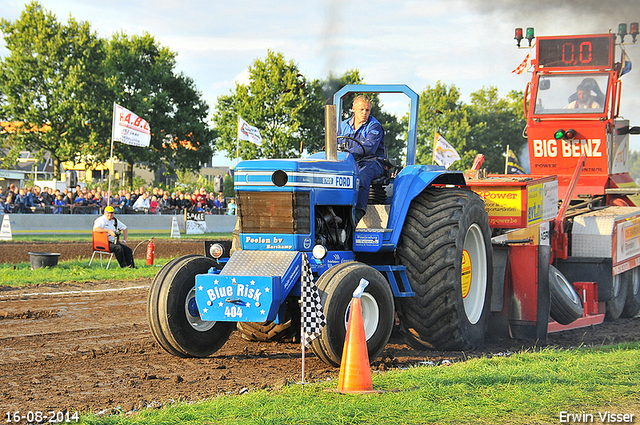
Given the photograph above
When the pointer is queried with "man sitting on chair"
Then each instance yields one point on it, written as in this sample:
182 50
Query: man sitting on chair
107 223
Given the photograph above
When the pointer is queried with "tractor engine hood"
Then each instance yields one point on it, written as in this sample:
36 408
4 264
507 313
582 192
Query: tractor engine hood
277 198
314 171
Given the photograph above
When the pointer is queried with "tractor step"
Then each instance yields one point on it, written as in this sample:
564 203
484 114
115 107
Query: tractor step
391 272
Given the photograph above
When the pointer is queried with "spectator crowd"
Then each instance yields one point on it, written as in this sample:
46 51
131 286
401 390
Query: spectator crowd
82 200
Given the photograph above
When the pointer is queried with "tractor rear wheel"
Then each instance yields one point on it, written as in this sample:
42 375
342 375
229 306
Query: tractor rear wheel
446 247
632 306
336 288
173 313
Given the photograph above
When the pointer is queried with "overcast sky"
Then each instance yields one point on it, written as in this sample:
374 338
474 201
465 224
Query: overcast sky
466 43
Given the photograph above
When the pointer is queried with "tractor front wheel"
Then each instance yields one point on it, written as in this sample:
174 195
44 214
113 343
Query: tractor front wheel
173 314
336 288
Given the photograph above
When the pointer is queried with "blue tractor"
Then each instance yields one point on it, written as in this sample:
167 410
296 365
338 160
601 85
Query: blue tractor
424 245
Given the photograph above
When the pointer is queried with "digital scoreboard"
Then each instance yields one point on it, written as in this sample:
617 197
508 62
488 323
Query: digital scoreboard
590 51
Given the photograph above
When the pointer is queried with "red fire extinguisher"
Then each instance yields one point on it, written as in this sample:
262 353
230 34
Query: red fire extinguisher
151 247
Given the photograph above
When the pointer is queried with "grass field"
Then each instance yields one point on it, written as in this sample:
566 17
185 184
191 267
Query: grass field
74 271
546 387
137 235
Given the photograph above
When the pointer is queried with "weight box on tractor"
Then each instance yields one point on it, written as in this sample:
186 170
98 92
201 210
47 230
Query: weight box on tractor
425 245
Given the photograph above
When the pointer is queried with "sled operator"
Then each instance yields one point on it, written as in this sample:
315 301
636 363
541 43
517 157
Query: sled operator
107 223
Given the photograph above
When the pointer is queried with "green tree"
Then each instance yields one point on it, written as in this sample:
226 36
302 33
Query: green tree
53 87
143 78
442 111
280 102
496 122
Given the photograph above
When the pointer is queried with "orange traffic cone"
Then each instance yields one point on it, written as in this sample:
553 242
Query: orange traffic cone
355 373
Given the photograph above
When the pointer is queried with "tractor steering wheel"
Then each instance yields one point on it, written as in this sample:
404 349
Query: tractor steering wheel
343 147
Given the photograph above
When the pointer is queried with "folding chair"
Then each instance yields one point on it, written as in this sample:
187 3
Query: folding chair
101 246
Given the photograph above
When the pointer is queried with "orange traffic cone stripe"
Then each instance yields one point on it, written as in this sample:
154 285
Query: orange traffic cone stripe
355 373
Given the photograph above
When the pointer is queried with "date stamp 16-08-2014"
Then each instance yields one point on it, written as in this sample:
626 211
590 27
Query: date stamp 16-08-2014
41 417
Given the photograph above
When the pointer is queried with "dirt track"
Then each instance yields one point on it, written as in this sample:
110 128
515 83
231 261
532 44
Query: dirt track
88 347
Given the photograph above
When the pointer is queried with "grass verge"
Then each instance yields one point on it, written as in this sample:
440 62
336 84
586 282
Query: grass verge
75 270
527 388
133 234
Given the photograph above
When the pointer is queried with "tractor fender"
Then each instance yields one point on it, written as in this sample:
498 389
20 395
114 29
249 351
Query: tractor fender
409 183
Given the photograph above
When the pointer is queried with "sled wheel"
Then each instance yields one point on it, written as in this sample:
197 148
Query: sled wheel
270 331
174 318
616 304
632 306
446 247
566 306
336 288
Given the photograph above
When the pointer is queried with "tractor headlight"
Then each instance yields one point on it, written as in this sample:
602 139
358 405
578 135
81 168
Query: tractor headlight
216 250
319 252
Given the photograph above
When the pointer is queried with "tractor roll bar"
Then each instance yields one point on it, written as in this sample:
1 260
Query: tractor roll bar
385 88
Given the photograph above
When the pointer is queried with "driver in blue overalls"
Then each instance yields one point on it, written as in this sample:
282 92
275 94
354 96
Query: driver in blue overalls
362 135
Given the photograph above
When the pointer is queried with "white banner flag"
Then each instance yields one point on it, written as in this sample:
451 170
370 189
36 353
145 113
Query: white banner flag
443 152
248 132
129 128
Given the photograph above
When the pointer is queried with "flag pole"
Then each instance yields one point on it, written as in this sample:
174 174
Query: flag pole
113 124
238 141
303 358
302 330
435 141
506 161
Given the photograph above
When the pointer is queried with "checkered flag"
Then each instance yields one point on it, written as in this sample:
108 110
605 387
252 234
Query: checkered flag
310 307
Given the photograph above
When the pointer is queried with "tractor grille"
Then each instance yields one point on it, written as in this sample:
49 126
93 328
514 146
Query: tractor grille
274 212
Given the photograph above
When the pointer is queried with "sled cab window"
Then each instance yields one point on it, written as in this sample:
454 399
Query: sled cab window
571 94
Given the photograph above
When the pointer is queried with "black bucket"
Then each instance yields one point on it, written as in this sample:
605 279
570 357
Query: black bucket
43 259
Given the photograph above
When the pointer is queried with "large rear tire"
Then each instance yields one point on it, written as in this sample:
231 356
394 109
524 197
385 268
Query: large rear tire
565 305
173 316
632 306
336 288
446 247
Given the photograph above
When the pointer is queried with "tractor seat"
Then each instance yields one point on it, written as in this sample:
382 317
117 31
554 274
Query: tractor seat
390 169
377 191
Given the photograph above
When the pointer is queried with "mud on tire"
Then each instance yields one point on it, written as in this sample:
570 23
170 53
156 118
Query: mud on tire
451 307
